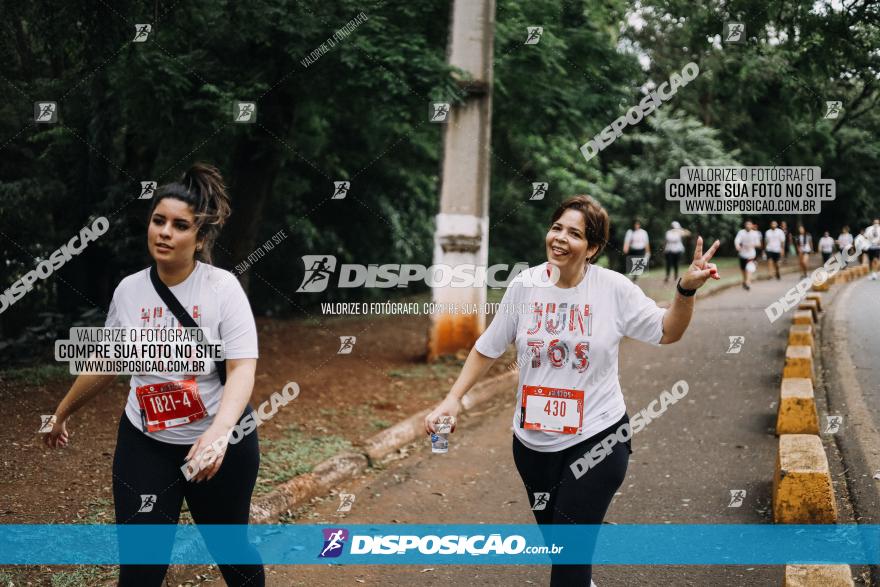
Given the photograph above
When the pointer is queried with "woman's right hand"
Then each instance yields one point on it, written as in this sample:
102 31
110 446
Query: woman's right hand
448 407
57 437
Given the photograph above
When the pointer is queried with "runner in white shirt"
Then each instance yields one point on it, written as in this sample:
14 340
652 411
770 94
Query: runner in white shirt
844 242
826 246
804 243
862 244
674 248
636 245
774 244
747 241
171 418
872 233
844 239
568 396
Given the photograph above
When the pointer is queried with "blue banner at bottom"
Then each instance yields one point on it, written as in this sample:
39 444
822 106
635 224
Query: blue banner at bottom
477 544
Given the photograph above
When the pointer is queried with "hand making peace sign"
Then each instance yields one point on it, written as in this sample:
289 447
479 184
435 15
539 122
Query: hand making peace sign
701 269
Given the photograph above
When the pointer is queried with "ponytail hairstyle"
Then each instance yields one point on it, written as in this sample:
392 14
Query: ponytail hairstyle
201 186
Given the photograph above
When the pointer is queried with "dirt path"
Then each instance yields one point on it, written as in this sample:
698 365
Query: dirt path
719 438
343 399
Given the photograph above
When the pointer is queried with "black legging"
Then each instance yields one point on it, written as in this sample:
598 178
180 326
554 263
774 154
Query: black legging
672 263
572 500
146 466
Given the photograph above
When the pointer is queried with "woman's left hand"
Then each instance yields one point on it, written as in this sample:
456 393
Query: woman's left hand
208 451
701 269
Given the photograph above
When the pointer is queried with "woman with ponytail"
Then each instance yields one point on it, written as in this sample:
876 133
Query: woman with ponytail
154 444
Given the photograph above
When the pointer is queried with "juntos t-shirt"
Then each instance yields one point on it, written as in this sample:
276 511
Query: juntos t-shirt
569 338
216 301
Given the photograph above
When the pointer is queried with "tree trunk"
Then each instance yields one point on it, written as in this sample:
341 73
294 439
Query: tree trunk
256 159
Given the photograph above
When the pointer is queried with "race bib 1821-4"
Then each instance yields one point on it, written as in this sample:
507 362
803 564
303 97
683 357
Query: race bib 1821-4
166 405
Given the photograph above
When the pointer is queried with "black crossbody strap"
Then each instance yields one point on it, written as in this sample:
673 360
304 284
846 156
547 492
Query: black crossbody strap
181 314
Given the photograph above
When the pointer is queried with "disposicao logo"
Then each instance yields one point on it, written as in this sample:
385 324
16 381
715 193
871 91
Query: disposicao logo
334 541
319 269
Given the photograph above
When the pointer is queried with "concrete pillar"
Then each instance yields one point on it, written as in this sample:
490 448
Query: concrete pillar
462 231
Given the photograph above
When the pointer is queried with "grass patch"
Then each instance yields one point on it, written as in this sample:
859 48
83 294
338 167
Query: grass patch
84 575
440 370
36 374
98 511
328 412
294 454
380 424
359 412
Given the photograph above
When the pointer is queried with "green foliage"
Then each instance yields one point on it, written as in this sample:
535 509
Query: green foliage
549 99
767 97
654 152
39 374
136 111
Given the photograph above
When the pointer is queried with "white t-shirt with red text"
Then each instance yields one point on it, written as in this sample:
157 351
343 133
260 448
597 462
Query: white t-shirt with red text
217 302
569 339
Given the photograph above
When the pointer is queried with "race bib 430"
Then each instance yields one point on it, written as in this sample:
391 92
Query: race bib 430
552 409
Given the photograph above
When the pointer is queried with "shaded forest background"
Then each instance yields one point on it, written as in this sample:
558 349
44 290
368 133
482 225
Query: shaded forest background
130 112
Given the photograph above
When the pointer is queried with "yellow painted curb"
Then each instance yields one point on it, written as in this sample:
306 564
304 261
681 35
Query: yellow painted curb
798 362
802 489
797 408
814 295
801 335
818 576
812 306
802 317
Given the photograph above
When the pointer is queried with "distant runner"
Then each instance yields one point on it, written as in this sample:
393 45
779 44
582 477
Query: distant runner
636 245
774 243
826 246
747 241
674 248
804 243
872 233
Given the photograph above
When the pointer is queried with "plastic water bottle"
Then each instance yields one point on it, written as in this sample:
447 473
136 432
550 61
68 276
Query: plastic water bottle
440 438
439 443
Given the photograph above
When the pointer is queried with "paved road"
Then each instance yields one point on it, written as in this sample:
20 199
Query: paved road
719 438
850 344
862 317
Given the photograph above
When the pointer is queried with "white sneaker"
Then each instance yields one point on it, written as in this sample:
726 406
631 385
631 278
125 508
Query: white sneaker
592 583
